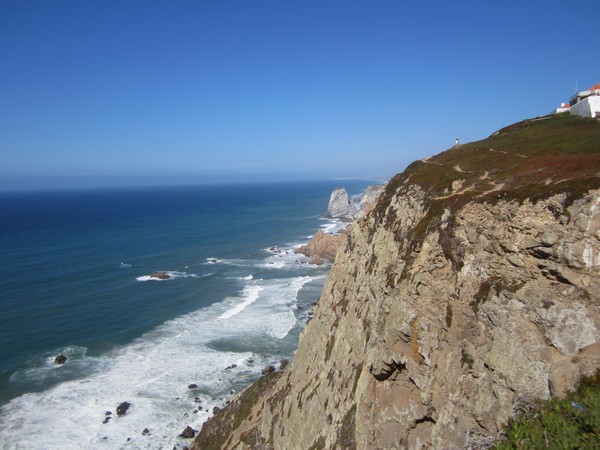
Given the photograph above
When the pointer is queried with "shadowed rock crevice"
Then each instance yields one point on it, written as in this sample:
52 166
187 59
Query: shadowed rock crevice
386 372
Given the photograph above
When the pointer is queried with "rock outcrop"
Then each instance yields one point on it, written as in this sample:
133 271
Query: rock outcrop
160 275
473 285
321 246
60 359
341 206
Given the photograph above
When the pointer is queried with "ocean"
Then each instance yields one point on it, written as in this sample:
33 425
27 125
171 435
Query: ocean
77 280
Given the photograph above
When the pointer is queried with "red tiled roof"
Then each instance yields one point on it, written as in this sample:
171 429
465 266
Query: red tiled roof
595 87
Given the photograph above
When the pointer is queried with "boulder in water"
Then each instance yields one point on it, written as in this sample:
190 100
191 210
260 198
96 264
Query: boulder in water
160 275
122 408
60 359
188 433
267 370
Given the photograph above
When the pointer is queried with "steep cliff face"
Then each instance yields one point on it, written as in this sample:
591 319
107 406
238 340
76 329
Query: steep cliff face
472 285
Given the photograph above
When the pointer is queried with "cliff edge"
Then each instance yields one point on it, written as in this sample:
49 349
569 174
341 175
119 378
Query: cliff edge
471 286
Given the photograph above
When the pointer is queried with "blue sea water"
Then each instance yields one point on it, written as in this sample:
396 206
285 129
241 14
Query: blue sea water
77 280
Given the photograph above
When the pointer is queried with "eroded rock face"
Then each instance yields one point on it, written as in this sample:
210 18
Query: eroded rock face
472 285
427 350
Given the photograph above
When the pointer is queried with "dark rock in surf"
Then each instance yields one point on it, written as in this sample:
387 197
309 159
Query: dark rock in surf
60 359
160 275
122 408
283 364
192 386
267 370
188 433
146 432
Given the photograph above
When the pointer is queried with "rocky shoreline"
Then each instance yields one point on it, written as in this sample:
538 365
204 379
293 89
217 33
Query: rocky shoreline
321 248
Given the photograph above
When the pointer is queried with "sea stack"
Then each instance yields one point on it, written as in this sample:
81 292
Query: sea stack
339 206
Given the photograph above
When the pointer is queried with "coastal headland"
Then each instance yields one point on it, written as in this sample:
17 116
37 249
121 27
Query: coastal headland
471 287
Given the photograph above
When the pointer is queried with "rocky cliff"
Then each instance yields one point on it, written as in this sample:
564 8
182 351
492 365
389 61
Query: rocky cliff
471 287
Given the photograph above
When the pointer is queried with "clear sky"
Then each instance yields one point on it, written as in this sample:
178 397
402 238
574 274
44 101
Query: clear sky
113 91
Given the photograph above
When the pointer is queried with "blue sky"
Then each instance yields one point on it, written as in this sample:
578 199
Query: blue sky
126 92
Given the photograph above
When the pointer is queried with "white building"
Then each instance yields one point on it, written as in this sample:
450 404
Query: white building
586 103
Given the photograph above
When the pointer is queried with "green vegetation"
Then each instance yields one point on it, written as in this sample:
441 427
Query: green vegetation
466 359
569 423
533 159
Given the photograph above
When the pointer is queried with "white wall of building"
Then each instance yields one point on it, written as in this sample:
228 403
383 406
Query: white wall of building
588 107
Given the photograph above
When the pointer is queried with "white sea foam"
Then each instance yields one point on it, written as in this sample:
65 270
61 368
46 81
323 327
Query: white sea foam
46 370
249 294
153 374
274 264
228 262
332 226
